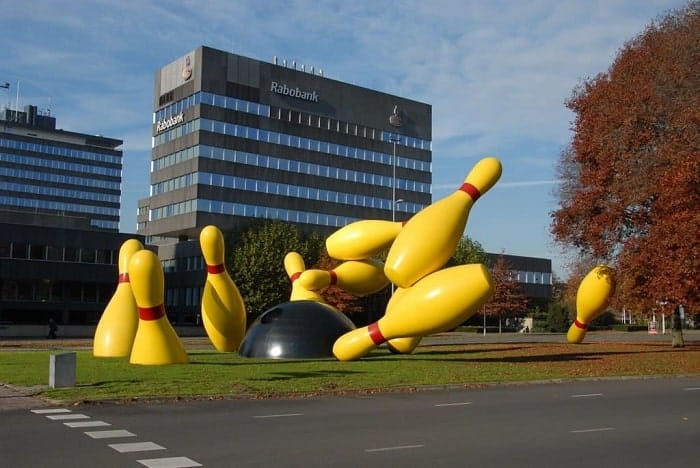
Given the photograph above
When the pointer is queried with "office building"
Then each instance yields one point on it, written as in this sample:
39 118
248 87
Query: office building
236 138
59 219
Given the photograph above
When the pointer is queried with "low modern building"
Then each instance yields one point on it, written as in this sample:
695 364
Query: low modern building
533 274
59 220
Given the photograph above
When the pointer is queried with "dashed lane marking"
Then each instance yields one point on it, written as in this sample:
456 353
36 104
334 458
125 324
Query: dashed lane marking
110 434
586 395
173 462
396 447
61 417
136 447
597 429
87 424
51 411
464 403
285 415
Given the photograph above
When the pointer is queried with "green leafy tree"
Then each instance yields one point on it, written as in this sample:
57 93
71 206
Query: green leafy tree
468 251
256 260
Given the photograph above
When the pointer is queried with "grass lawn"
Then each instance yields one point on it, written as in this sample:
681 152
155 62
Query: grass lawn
224 375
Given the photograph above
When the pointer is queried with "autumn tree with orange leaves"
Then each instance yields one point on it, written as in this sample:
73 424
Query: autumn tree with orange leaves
630 192
508 299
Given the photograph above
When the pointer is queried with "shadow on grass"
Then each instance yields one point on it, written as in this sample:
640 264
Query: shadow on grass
278 376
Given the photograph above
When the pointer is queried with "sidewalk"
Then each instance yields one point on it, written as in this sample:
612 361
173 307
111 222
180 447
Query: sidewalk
14 398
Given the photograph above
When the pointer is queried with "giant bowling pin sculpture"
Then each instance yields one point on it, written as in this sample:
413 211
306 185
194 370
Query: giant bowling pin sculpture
430 237
304 290
591 299
362 239
358 277
223 310
450 296
156 342
115 332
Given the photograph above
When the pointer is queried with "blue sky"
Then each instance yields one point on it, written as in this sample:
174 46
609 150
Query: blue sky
496 72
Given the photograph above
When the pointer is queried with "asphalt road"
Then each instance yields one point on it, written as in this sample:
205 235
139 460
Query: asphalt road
616 422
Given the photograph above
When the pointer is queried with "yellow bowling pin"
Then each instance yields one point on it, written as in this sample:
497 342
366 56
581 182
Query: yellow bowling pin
223 310
430 237
304 290
451 296
591 299
156 342
359 277
362 239
115 332
404 345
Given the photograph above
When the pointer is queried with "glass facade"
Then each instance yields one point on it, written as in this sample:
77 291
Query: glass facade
55 172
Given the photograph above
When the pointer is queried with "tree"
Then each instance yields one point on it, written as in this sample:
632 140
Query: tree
468 251
630 177
508 299
256 258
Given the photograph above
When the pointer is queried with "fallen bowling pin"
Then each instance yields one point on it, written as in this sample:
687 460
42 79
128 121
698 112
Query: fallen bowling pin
451 295
592 297
156 342
430 237
359 277
115 332
304 290
407 344
223 310
362 239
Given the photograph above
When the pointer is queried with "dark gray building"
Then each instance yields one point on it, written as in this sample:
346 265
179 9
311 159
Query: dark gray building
236 138
59 219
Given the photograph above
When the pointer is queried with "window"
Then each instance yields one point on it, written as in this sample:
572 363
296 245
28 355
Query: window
87 255
19 250
37 252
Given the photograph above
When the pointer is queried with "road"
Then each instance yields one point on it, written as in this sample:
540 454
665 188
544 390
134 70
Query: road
611 422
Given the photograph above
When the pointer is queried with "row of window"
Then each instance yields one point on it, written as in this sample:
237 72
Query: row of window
58 206
274 188
49 191
43 148
281 164
55 291
60 165
285 139
192 296
288 115
531 277
59 178
56 253
191 263
250 211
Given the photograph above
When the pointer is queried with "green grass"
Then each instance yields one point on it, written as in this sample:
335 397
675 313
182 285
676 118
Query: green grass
221 375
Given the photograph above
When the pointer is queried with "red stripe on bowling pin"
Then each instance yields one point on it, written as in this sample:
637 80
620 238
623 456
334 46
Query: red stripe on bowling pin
295 276
334 276
375 333
216 269
151 313
470 190
580 325
124 277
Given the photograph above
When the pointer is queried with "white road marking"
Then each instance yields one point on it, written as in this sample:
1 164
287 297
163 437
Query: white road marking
597 429
136 447
87 424
464 403
278 415
396 447
173 462
51 411
58 417
109 434
586 395
691 389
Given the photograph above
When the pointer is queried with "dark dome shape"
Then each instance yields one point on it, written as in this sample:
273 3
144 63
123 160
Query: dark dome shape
296 329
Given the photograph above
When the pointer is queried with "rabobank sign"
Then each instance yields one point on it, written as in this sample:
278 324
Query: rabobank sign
284 90
170 122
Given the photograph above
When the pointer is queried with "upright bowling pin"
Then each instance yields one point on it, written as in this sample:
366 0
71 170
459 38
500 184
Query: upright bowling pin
431 236
115 332
156 342
591 299
362 239
451 296
304 290
223 310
